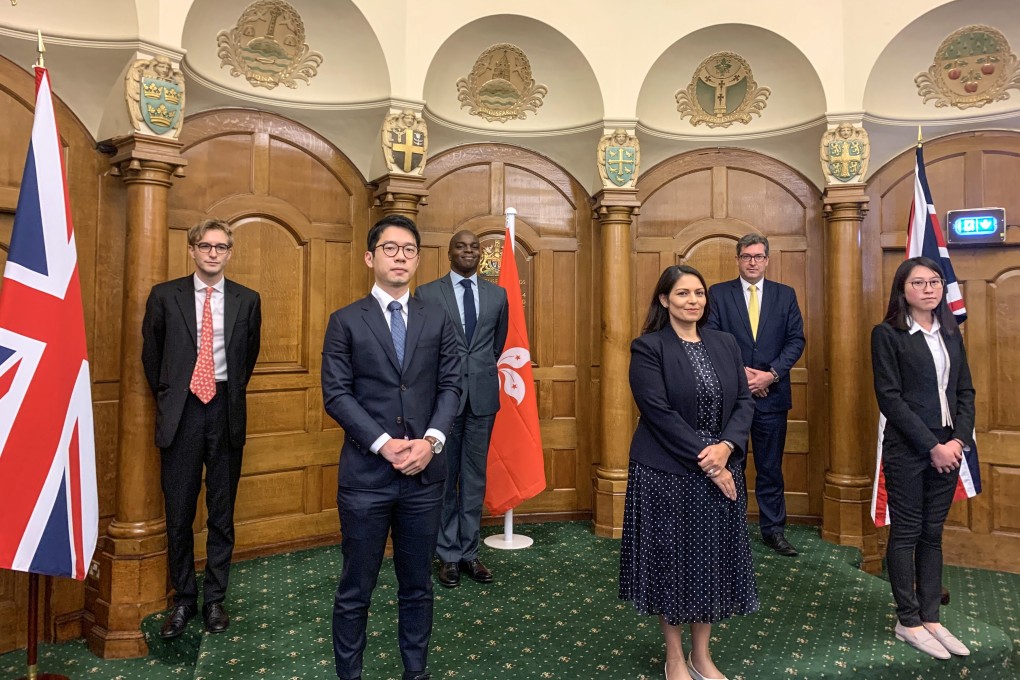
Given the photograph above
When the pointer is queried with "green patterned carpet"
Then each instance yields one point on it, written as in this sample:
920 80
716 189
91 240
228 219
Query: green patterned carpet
553 614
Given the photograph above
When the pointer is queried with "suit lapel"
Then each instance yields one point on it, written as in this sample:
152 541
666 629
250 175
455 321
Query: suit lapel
769 297
738 299
186 302
231 306
415 321
373 316
450 300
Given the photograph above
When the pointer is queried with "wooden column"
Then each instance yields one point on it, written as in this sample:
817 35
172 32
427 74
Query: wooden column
400 195
129 577
846 500
615 209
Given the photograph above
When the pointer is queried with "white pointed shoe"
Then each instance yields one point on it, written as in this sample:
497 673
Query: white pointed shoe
922 641
949 641
698 676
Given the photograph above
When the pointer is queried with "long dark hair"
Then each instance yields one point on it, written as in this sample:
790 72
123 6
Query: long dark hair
898 310
658 316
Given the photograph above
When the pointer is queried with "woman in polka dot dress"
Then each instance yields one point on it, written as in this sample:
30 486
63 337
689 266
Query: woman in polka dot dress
685 555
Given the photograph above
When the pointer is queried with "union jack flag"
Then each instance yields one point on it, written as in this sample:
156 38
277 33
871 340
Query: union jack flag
49 515
924 238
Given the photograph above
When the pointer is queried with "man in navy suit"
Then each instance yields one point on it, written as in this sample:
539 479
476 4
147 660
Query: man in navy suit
391 379
480 313
766 322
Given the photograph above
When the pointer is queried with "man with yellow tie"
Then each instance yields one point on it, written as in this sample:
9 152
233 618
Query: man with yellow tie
765 320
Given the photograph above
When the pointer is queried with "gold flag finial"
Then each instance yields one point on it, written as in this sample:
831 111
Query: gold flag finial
919 138
42 50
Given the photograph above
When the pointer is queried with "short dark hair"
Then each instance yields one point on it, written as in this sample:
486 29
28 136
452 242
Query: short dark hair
748 240
898 311
658 316
392 221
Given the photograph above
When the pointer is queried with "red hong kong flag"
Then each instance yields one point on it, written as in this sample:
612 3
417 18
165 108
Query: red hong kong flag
516 469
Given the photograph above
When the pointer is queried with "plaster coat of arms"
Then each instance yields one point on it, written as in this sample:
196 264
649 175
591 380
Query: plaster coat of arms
500 86
844 154
972 67
405 142
619 159
722 92
267 46
154 92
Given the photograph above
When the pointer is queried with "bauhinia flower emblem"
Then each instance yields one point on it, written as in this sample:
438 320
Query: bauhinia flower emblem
513 384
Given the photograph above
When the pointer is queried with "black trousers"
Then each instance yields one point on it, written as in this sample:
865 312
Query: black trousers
202 439
919 498
409 510
467 454
768 439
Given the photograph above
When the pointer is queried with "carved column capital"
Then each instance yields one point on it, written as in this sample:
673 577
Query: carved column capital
845 202
398 194
143 158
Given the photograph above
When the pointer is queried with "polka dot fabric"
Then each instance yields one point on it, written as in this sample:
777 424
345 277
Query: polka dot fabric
685 552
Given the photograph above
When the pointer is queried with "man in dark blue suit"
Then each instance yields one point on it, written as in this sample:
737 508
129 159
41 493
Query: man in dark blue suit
391 379
765 320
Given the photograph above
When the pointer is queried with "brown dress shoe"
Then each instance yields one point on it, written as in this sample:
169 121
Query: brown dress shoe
216 618
448 574
177 621
476 570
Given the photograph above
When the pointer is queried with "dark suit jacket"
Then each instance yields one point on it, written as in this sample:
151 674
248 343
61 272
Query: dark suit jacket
480 382
368 394
662 381
906 387
170 349
780 334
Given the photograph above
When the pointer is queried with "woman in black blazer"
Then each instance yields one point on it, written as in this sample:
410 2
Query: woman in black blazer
685 554
923 386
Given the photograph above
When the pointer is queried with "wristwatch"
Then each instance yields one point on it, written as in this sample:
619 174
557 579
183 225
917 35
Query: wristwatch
775 376
437 446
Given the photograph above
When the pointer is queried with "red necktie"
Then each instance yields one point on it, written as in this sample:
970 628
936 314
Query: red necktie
203 380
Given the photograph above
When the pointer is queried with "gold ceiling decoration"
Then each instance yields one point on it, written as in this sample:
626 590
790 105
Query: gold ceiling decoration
722 92
973 67
267 46
500 86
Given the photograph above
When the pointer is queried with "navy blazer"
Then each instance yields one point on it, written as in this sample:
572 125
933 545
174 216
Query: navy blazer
368 393
170 350
662 382
780 334
906 387
480 384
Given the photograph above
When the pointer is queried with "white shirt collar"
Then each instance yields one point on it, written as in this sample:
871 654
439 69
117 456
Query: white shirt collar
385 298
456 278
200 285
745 285
914 327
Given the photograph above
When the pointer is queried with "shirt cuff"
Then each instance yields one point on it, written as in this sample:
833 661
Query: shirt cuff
379 443
438 434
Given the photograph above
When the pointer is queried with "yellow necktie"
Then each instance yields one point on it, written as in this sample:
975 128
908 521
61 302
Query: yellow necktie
752 311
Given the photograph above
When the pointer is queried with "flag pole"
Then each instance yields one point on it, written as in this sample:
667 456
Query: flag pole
508 540
32 661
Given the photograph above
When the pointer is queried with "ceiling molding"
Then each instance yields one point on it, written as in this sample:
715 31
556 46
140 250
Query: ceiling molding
492 132
95 44
762 134
969 119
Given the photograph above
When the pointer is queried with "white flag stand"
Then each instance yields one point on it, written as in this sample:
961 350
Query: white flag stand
508 540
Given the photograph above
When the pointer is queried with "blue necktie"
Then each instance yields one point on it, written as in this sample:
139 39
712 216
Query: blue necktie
470 316
397 330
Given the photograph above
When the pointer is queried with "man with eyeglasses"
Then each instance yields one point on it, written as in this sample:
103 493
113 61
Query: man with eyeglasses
766 322
201 336
391 379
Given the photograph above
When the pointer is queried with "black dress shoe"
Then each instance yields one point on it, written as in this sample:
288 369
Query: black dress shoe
476 570
420 676
448 574
216 618
177 621
779 543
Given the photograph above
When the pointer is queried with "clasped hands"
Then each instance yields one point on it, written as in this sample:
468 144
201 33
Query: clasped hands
946 457
758 381
712 461
409 456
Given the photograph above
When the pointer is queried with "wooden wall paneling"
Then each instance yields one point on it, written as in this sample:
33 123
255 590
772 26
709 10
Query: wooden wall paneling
693 208
969 170
469 188
300 212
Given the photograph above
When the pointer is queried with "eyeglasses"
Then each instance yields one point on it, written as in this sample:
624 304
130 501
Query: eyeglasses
221 248
390 249
921 284
745 258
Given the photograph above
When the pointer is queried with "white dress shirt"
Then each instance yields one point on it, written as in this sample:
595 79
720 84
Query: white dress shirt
939 353
746 286
219 346
458 292
384 299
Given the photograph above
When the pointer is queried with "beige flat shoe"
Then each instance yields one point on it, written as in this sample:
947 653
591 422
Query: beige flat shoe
949 641
698 676
922 641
